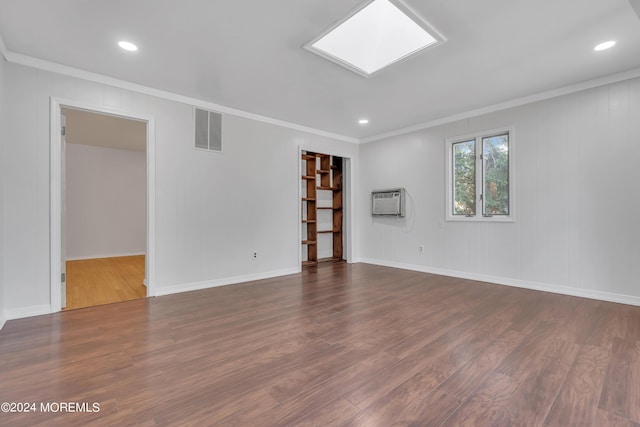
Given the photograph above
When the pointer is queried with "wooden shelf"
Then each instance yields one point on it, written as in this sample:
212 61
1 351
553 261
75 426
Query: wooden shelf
321 261
330 259
322 172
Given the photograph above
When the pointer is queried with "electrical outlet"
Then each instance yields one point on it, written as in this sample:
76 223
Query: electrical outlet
255 255
421 249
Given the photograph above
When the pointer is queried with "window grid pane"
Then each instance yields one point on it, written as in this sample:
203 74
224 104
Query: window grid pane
464 178
495 175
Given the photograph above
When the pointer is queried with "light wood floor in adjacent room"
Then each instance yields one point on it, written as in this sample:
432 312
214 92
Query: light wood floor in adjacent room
104 280
337 345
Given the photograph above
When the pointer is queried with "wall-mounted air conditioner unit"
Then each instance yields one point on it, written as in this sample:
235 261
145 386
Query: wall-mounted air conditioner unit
387 202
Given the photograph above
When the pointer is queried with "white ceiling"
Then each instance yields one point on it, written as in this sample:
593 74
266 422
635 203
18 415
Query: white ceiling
103 130
248 54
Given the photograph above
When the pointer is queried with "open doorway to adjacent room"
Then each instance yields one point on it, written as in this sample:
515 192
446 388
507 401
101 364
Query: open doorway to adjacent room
104 208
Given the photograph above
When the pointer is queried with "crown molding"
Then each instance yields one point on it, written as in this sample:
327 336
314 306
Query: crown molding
3 48
541 96
41 64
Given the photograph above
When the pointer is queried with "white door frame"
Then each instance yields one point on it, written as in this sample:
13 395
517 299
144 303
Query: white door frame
56 189
348 190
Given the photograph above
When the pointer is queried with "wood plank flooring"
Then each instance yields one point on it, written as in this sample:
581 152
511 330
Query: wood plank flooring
104 280
337 345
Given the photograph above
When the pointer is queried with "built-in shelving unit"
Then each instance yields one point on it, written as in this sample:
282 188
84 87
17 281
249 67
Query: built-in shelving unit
310 213
322 174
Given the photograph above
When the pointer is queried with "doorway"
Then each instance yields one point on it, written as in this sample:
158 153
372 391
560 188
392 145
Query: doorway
324 210
102 185
104 230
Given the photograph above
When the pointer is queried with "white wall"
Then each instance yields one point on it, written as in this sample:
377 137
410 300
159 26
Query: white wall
2 184
212 210
577 199
106 202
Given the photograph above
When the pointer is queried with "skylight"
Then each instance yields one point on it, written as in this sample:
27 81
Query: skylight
376 36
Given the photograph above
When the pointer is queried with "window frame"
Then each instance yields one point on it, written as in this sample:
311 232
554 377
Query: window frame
479 176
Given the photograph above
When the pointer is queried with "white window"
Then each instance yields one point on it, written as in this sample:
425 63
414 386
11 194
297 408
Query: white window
480 176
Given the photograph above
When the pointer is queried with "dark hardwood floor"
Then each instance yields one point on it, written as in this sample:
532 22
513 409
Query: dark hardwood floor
338 345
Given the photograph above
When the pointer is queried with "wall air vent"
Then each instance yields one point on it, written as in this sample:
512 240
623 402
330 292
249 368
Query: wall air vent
208 130
388 202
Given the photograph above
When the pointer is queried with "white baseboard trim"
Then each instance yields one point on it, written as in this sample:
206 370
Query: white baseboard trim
36 310
186 287
537 286
80 258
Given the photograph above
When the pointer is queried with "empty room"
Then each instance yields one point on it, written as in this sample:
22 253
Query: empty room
333 213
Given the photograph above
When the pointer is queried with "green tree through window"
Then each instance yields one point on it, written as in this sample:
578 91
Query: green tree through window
464 178
479 173
495 167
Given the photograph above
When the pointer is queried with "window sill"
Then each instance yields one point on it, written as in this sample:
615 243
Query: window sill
482 219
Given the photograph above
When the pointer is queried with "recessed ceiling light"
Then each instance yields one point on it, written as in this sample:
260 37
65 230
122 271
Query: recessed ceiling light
605 45
376 36
128 46
363 121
